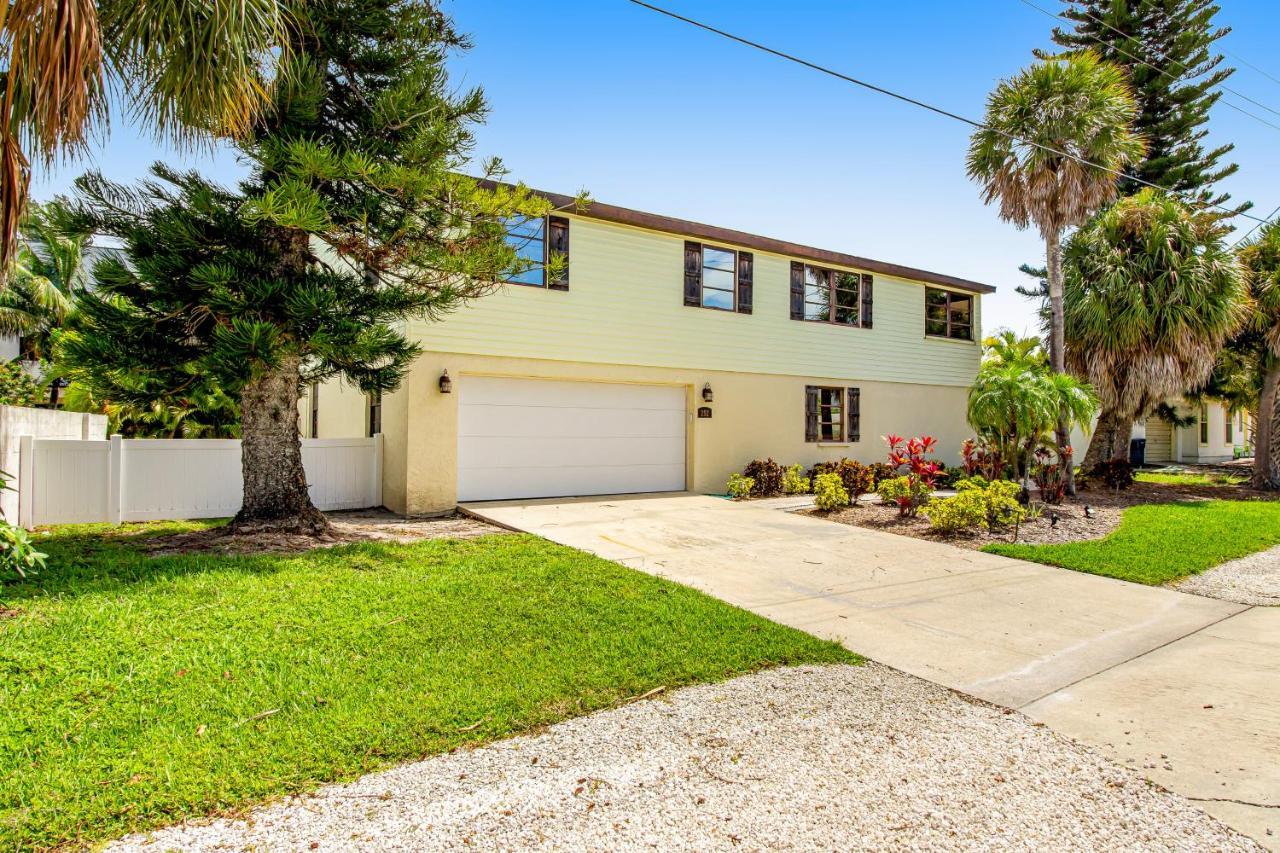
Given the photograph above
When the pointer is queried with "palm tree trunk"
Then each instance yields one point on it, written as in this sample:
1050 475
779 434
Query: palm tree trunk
1266 451
1058 350
1102 442
275 484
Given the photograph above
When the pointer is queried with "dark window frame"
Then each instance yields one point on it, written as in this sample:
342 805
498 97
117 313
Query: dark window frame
702 278
822 416
375 413
1204 423
833 306
541 269
951 296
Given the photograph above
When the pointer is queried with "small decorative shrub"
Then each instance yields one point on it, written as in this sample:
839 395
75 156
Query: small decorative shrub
912 457
856 477
17 388
946 478
794 481
739 487
1115 474
882 471
18 554
978 503
1048 477
981 458
829 492
909 495
767 476
965 511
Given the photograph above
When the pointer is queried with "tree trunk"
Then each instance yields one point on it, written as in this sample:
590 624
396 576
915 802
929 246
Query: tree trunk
1102 443
1058 350
275 485
1266 451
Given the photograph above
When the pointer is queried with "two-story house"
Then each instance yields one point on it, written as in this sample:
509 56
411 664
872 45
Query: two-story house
671 354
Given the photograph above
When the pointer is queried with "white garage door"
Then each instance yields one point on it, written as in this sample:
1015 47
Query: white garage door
534 438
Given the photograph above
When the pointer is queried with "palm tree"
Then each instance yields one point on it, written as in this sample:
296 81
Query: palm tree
1260 258
1153 294
1055 140
1016 401
47 272
187 69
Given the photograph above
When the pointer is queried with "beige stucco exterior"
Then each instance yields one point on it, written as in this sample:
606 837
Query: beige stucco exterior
343 411
1167 442
623 320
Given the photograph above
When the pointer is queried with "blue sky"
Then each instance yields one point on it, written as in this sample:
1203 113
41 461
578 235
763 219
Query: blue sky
648 113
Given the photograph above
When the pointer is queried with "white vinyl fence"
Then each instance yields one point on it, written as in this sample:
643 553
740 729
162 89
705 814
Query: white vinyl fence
68 482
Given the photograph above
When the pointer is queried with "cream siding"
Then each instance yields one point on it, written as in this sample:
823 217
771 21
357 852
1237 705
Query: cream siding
625 306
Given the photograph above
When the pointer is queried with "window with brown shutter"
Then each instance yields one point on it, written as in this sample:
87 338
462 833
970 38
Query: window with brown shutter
824 413
558 247
829 296
855 414
717 278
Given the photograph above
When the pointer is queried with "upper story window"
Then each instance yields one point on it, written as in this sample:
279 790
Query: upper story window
830 296
717 278
947 314
536 240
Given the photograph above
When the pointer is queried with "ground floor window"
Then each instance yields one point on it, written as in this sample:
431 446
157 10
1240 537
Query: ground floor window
375 413
832 413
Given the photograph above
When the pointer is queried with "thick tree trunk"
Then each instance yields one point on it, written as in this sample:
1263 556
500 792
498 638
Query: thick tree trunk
1102 442
275 485
1058 350
1266 450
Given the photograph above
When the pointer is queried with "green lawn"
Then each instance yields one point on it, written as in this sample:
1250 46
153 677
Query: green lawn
1189 479
1158 543
135 691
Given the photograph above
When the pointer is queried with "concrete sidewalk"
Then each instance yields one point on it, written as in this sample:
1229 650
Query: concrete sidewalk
1124 667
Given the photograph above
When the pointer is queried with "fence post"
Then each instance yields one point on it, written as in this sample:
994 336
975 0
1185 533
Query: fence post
115 480
377 470
26 479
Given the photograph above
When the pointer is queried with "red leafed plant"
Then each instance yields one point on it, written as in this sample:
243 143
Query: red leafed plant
917 473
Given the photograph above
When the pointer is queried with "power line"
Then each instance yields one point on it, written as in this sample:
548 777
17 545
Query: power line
1238 58
1162 56
917 103
1260 223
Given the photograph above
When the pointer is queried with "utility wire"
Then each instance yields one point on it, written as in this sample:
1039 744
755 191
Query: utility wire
1266 221
914 102
1161 71
1238 58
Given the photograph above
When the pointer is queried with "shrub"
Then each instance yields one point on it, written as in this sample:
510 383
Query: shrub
18 554
739 487
920 473
981 458
1048 477
829 492
978 503
1114 473
965 511
909 495
946 478
857 478
794 481
17 388
882 471
767 477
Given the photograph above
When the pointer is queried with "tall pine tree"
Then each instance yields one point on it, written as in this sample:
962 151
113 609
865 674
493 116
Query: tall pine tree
356 216
1167 48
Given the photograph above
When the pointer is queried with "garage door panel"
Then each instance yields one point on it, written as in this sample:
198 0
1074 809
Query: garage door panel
537 452
486 390
497 484
517 422
526 438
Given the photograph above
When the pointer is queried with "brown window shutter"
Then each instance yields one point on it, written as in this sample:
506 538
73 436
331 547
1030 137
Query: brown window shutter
558 244
745 264
797 293
855 414
812 407
693 274
866 301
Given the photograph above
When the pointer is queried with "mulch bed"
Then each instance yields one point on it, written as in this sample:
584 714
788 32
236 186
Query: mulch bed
1072 526
346 527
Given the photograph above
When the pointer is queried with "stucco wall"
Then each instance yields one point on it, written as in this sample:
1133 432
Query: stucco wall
754 415
17 421
625 306
343 413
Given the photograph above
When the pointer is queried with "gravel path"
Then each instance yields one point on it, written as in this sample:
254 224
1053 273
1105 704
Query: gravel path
1254 579
815 757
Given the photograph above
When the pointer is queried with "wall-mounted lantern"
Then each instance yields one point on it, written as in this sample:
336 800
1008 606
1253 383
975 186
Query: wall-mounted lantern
446 384
706 393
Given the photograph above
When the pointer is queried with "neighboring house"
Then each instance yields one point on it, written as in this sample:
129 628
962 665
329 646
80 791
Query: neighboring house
671 354
1216 434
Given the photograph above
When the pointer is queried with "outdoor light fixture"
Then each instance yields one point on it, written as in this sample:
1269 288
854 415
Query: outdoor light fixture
706 393
446 384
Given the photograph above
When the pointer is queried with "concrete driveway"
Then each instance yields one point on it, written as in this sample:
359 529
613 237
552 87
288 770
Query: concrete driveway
1183 687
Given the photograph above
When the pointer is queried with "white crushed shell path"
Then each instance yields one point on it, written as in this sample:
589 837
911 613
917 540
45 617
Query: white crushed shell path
836 757
1254 579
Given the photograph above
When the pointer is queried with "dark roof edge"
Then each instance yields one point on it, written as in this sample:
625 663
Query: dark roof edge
672 225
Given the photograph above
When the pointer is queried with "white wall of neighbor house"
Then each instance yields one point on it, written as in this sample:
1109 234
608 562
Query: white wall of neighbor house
1188 444
342 411
17 421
